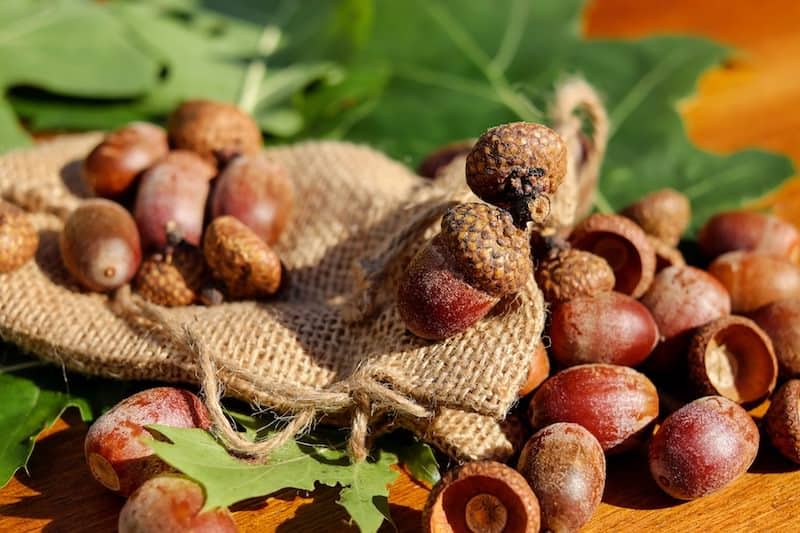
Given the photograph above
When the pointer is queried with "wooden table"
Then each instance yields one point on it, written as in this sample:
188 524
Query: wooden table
750 101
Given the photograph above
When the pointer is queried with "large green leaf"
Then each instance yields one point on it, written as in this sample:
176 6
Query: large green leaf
482 64
227 480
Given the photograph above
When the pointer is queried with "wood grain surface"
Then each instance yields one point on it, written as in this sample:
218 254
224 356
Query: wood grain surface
752 100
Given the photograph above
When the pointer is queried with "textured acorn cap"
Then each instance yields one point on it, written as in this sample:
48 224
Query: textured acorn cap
481 496
491 253
516 160
18 237
568 274
217 131
247 266
664 214
173 279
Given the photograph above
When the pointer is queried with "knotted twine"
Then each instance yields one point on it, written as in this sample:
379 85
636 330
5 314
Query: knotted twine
248 346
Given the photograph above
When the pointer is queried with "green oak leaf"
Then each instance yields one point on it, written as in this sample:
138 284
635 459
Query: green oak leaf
26 411
417 457
227 480
482 64
73 48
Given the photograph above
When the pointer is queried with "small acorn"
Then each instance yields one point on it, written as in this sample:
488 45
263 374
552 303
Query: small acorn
217 131
754 280
100 245
478 258
664 214
749 230
518 166
781 321
246 265
567 274
257 191
172 279
113 165
18 238
537 372
782 421
483 496
624 245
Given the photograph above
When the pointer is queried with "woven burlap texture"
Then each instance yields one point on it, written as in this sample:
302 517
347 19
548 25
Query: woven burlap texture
351 200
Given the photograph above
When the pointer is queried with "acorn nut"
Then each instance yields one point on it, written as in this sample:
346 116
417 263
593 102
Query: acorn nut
616 404
217 131
702 447
537 372
171 201
754 280
625 247
518 166
781 321
566 468
732 357
18 238
664 214
782 421
246 265
100 245
257 191
608 328
567 274
478 258
749 231
481 496
113 165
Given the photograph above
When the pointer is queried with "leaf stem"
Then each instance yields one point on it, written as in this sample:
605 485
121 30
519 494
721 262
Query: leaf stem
512 37
257 69
21 366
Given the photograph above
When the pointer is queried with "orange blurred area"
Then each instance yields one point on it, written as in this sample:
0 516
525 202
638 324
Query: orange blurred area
751 101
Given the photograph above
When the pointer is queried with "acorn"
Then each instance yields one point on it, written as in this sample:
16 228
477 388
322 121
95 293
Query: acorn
246 265
258 191
481 496
518 166
624 245
537 372
478 258
172 279
754 280
664 214
749 231
113 165
568 274
782 421
781 321
18 238
217 131
100 245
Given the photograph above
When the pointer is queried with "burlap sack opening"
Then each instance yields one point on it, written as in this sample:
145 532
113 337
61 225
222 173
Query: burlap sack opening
301 353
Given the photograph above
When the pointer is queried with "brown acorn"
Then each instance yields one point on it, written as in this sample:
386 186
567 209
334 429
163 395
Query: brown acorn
113 165
518 166
217 131
172 279
18 238
248 267
664 214
479 257
754 280
782 421
624 245
568 274
749 230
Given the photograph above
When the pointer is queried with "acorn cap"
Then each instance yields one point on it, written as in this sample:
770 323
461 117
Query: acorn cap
516 161
217 131
491 253
733 357
481 496
173 279
666 255
18 237
664 214
568 274
247 266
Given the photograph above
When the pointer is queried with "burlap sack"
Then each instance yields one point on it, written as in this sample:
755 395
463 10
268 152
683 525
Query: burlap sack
306 353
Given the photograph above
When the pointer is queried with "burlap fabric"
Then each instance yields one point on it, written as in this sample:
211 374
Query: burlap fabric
306 353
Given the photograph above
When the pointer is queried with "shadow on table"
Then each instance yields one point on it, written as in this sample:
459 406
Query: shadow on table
629 485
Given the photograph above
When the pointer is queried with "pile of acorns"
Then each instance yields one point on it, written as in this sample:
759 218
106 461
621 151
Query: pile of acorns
620 295
200 202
